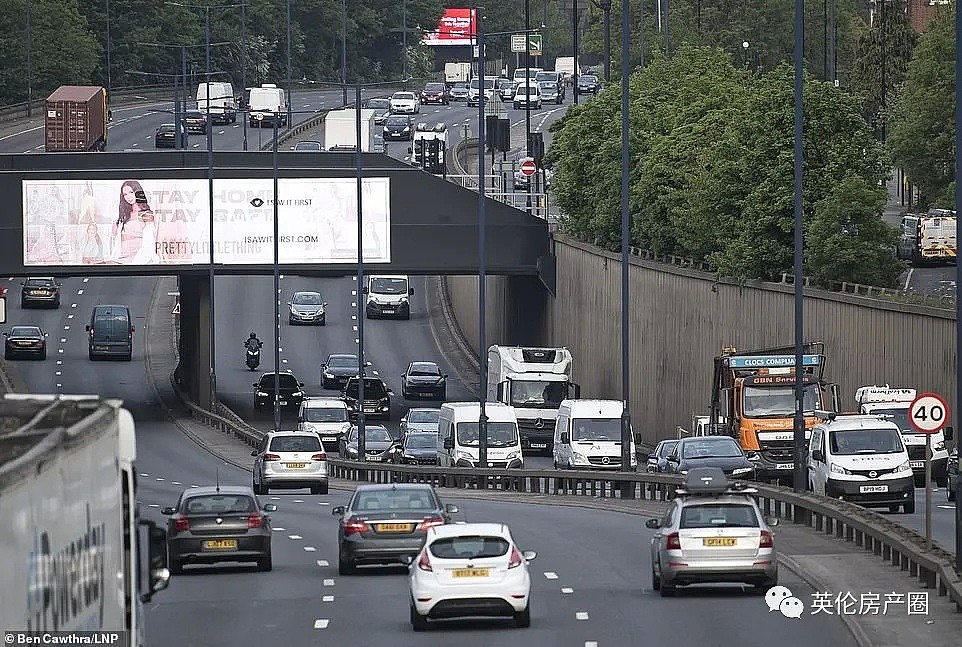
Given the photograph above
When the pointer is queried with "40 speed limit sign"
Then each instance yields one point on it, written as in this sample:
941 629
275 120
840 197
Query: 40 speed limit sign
928 413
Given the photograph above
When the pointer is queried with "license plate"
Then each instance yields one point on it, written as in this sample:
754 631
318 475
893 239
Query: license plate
220 544
785 466
389 312
719 541
868 489
393 527
296 466
330 439
100 348
539 446
915 464
470 572
24 343
282 402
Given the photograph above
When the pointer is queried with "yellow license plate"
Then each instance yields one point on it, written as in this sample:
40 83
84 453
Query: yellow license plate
221 544
719 541
295 466
470 572
393 527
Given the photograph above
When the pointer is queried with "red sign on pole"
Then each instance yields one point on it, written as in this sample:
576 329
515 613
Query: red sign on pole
928 413
528 167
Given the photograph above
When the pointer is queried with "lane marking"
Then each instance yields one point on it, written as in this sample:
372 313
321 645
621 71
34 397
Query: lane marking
73 305
63 340
160 479
581 615
323 503
567 589
322 562
86 279
327 598
176 482
59 373
80 291
66 327
152 505
70 316
908 279
298 501
59 350
591 643
59 362
321 623
947 507
309 549
279 529
145 474
328 582
194 486
275 498
551 575
294 537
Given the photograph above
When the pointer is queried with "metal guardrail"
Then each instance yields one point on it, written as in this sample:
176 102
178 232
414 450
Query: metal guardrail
494 184
117 96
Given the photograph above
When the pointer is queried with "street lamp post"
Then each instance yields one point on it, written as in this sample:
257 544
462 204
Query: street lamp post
527 102
799 426
606 14
344 53
574 43
210 211
625 239
482 246
244 62
108 48
958 273
29 61
404 37
358 161
277 291
290 98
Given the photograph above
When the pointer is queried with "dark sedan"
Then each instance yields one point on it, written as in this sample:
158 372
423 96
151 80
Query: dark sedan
658 459
377 397
710 451
588 83
290 393
434 93
417 449
25 341
385 524
196 122
377 443
165 136
218 524
398 127
424 379
42 291
338 369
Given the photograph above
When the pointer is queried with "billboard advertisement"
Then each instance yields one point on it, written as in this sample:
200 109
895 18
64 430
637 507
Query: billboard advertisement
166 222
456 27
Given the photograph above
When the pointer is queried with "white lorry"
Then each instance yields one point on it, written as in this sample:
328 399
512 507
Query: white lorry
74 556
267 105
216 100
458 72
893 404
340 130
535 381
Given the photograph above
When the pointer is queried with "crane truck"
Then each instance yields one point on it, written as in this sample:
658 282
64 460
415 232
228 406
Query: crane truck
753 401
74 554
534 381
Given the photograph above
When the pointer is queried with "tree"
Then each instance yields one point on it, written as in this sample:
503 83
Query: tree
922 126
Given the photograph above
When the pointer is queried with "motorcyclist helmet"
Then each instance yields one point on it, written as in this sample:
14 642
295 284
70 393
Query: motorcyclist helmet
253 335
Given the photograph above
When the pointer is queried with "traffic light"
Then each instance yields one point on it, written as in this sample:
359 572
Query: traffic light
536 147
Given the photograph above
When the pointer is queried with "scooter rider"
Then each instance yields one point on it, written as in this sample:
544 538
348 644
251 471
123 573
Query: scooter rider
253 343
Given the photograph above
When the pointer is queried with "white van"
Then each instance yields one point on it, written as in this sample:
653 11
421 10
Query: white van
587 435
458 437
522 74
267 104
388 296
216 100
327 417
862 459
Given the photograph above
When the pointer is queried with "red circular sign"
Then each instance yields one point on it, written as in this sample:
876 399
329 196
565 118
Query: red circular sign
528 167
928 413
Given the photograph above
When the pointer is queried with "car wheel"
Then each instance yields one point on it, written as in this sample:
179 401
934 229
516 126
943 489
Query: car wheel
950 493
23 304
443 394
290 321
175 566
43 355
56 304
764 586
522 619
319 489
419 622
127 358
407 316
909 508
667 590
655 581
345 567
265 563
7 355
323 322
942 482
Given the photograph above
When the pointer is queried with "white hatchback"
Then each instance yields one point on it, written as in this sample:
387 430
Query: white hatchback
405 103
470 570
289 460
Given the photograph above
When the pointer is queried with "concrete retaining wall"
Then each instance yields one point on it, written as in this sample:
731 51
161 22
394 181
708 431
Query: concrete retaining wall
681 318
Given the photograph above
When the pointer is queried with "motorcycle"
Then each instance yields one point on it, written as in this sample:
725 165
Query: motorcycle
253 358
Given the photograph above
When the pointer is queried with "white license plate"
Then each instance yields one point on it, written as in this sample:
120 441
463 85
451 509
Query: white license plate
915 464
785 466
330 439
868 489
539 445
389 312
282 402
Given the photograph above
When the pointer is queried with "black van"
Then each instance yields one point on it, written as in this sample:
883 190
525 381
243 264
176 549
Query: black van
110 333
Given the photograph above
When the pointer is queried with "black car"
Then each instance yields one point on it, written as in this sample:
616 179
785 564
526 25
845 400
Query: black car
196 122
658 459
43 291
378 443
424 379
381 108
710 451
588 83
417 448
289 395
398 127
221 523
435 93
952 474
377 397
338 369
384 524
25 341
165 136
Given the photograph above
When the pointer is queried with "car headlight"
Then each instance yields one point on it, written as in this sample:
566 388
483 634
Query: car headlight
838 469
753 456
404 299
297 394
742 470
904 467
406 128
939 446
683 472
513 455
351 451
262 394
329 375
578 458
459 455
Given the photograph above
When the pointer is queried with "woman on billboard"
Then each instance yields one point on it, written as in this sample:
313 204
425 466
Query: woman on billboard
92 247
127 235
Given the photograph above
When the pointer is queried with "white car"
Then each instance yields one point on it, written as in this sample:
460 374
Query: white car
289 460
470 570
405 103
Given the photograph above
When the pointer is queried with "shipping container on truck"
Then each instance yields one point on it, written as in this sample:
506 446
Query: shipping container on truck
75 119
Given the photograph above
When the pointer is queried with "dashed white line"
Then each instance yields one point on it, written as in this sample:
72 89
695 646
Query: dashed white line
66 327
354 292
80 291
59 386
581 615
309 549
59 362
375 372
59 373
87 279
294 537
194 486
283 361
279 529
73 305
298 501
322 562
275 498
567 589
160 479
327 598
70 316
60 350
321 623
176 482
145 474
947 507
328 582
591 643
323 503
551 575
152 505
63 340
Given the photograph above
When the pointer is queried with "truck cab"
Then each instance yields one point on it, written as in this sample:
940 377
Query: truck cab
893 404
388 296
534 381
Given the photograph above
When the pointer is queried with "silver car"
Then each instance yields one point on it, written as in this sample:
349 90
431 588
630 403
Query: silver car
290 460
307 308
713 531
420 419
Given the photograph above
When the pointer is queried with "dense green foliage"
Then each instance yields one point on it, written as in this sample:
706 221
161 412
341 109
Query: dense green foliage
712 171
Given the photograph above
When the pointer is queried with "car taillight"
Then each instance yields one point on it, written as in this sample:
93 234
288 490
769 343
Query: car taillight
430 523
255 520
516 558
672 542
271 457
181 523
424 563
319 457
355 527
766 540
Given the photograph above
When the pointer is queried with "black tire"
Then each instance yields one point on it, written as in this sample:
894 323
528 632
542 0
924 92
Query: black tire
404 392
43 355
522 619
419 622
129 357
56 304
8 356
324 321
666 590
345 567
325 384
407 316
175 566
319 489
764 586
949 493
909 508
942 482
893 508
265 563
443 394
655 581
23 304
290 321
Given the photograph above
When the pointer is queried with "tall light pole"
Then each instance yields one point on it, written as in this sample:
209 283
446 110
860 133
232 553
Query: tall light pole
882 39
108 48
358 161
244 63
277 290
574 43
344 53
527 102
404 37
958 274
29 61
664 31
799 426
625 239
210 208
482 244
290 98
606 13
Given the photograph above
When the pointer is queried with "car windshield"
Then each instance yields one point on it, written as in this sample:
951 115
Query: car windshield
589 78
420 500
538 394
865 441
424 416
546 76
899 416
398 121
379 104
721 448
424 368
500 434
287 381
39 283
307 146
166 128
325 414
421 441
343 361
382 285
195 115
596 429
373 388
307 299
777 401
434 87
218 504
306 443
666 448
403 96
718 515
488 84
469 547
372 435
25 331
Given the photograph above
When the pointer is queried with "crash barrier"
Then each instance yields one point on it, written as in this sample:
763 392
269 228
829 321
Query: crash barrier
16 111
494 184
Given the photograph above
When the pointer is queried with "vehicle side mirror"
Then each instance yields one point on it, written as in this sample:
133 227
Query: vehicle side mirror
565 438
949 433
270 507
87 328
771 521
168 511
451 508
410 150
529 555
390 392
300 384
59 284
402 375
324 304
159 576
300 418
45 334
411 291
253 452
337 511
368 364
132 328
254 384
818 456
654 524
448 443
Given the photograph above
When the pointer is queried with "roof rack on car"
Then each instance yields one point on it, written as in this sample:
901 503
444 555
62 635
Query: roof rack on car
711 481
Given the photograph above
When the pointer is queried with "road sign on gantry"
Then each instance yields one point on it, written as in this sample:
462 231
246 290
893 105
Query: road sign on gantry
528 167
928 413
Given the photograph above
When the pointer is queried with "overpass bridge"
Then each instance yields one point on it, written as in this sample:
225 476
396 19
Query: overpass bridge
149 214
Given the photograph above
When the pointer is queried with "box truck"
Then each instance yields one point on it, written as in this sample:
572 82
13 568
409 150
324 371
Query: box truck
75 119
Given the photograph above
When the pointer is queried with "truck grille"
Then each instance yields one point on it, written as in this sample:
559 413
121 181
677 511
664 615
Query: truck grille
528 428
778 451
872 473
612 461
